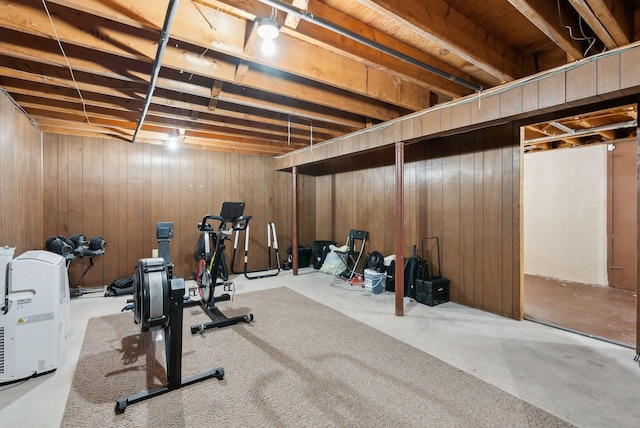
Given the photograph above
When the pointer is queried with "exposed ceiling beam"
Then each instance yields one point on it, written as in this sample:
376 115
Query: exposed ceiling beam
435 21
594 23
141 46
314 34
581 132
59 122
128 95
544 15
93 65
616 17
227 35
49 93
342 65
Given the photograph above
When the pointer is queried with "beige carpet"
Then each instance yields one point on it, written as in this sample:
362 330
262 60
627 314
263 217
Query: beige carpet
298 364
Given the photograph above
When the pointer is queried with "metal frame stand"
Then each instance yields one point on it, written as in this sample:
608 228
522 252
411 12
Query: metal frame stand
271 231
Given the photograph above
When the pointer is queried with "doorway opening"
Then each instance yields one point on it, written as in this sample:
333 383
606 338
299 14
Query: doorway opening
580 223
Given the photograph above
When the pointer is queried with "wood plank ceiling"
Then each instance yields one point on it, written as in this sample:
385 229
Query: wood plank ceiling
86 67
597 127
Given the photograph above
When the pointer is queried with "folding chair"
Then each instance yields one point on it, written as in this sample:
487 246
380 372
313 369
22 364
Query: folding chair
351 252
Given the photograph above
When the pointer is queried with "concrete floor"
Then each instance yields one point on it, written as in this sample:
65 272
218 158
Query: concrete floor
587 382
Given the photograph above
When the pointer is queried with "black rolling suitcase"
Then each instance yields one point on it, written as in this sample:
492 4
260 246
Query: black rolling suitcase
432 290
415 269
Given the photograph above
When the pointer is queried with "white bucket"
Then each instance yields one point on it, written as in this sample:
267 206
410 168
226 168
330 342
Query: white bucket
374 282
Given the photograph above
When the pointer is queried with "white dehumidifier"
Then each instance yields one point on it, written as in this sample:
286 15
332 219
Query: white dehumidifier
35 316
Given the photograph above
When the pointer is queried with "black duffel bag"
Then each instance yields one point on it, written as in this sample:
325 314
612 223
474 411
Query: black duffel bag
120 287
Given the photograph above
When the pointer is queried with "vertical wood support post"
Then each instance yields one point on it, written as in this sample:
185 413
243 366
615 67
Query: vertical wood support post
519 305
399 228
294 222
637 358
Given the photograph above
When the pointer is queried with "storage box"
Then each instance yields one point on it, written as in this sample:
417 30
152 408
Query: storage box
432 291
304 255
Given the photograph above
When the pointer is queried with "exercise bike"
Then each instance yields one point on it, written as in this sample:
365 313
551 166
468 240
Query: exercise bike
231 219
158 302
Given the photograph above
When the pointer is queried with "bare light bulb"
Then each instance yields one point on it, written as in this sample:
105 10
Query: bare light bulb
268 47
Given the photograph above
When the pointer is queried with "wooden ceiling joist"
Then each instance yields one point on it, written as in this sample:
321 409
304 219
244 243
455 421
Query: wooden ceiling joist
224 38
340 66
141 46
545 16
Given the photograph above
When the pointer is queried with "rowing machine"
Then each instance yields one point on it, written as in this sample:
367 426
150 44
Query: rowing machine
158 302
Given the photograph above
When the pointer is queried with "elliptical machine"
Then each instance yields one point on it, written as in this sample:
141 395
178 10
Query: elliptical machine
231 219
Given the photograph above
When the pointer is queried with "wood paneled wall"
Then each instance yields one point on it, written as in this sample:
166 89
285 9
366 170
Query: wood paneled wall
120 190
20 180
357 192
472 202
464 189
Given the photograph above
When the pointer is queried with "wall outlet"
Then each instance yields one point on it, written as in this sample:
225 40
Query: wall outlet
154 252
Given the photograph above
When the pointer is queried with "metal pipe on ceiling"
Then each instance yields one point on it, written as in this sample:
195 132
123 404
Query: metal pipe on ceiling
308 16
157 63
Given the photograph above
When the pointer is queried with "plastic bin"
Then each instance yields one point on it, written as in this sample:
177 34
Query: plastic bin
374 282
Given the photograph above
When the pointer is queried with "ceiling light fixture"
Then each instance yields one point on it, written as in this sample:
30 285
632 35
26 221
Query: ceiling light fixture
268 29
172 140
